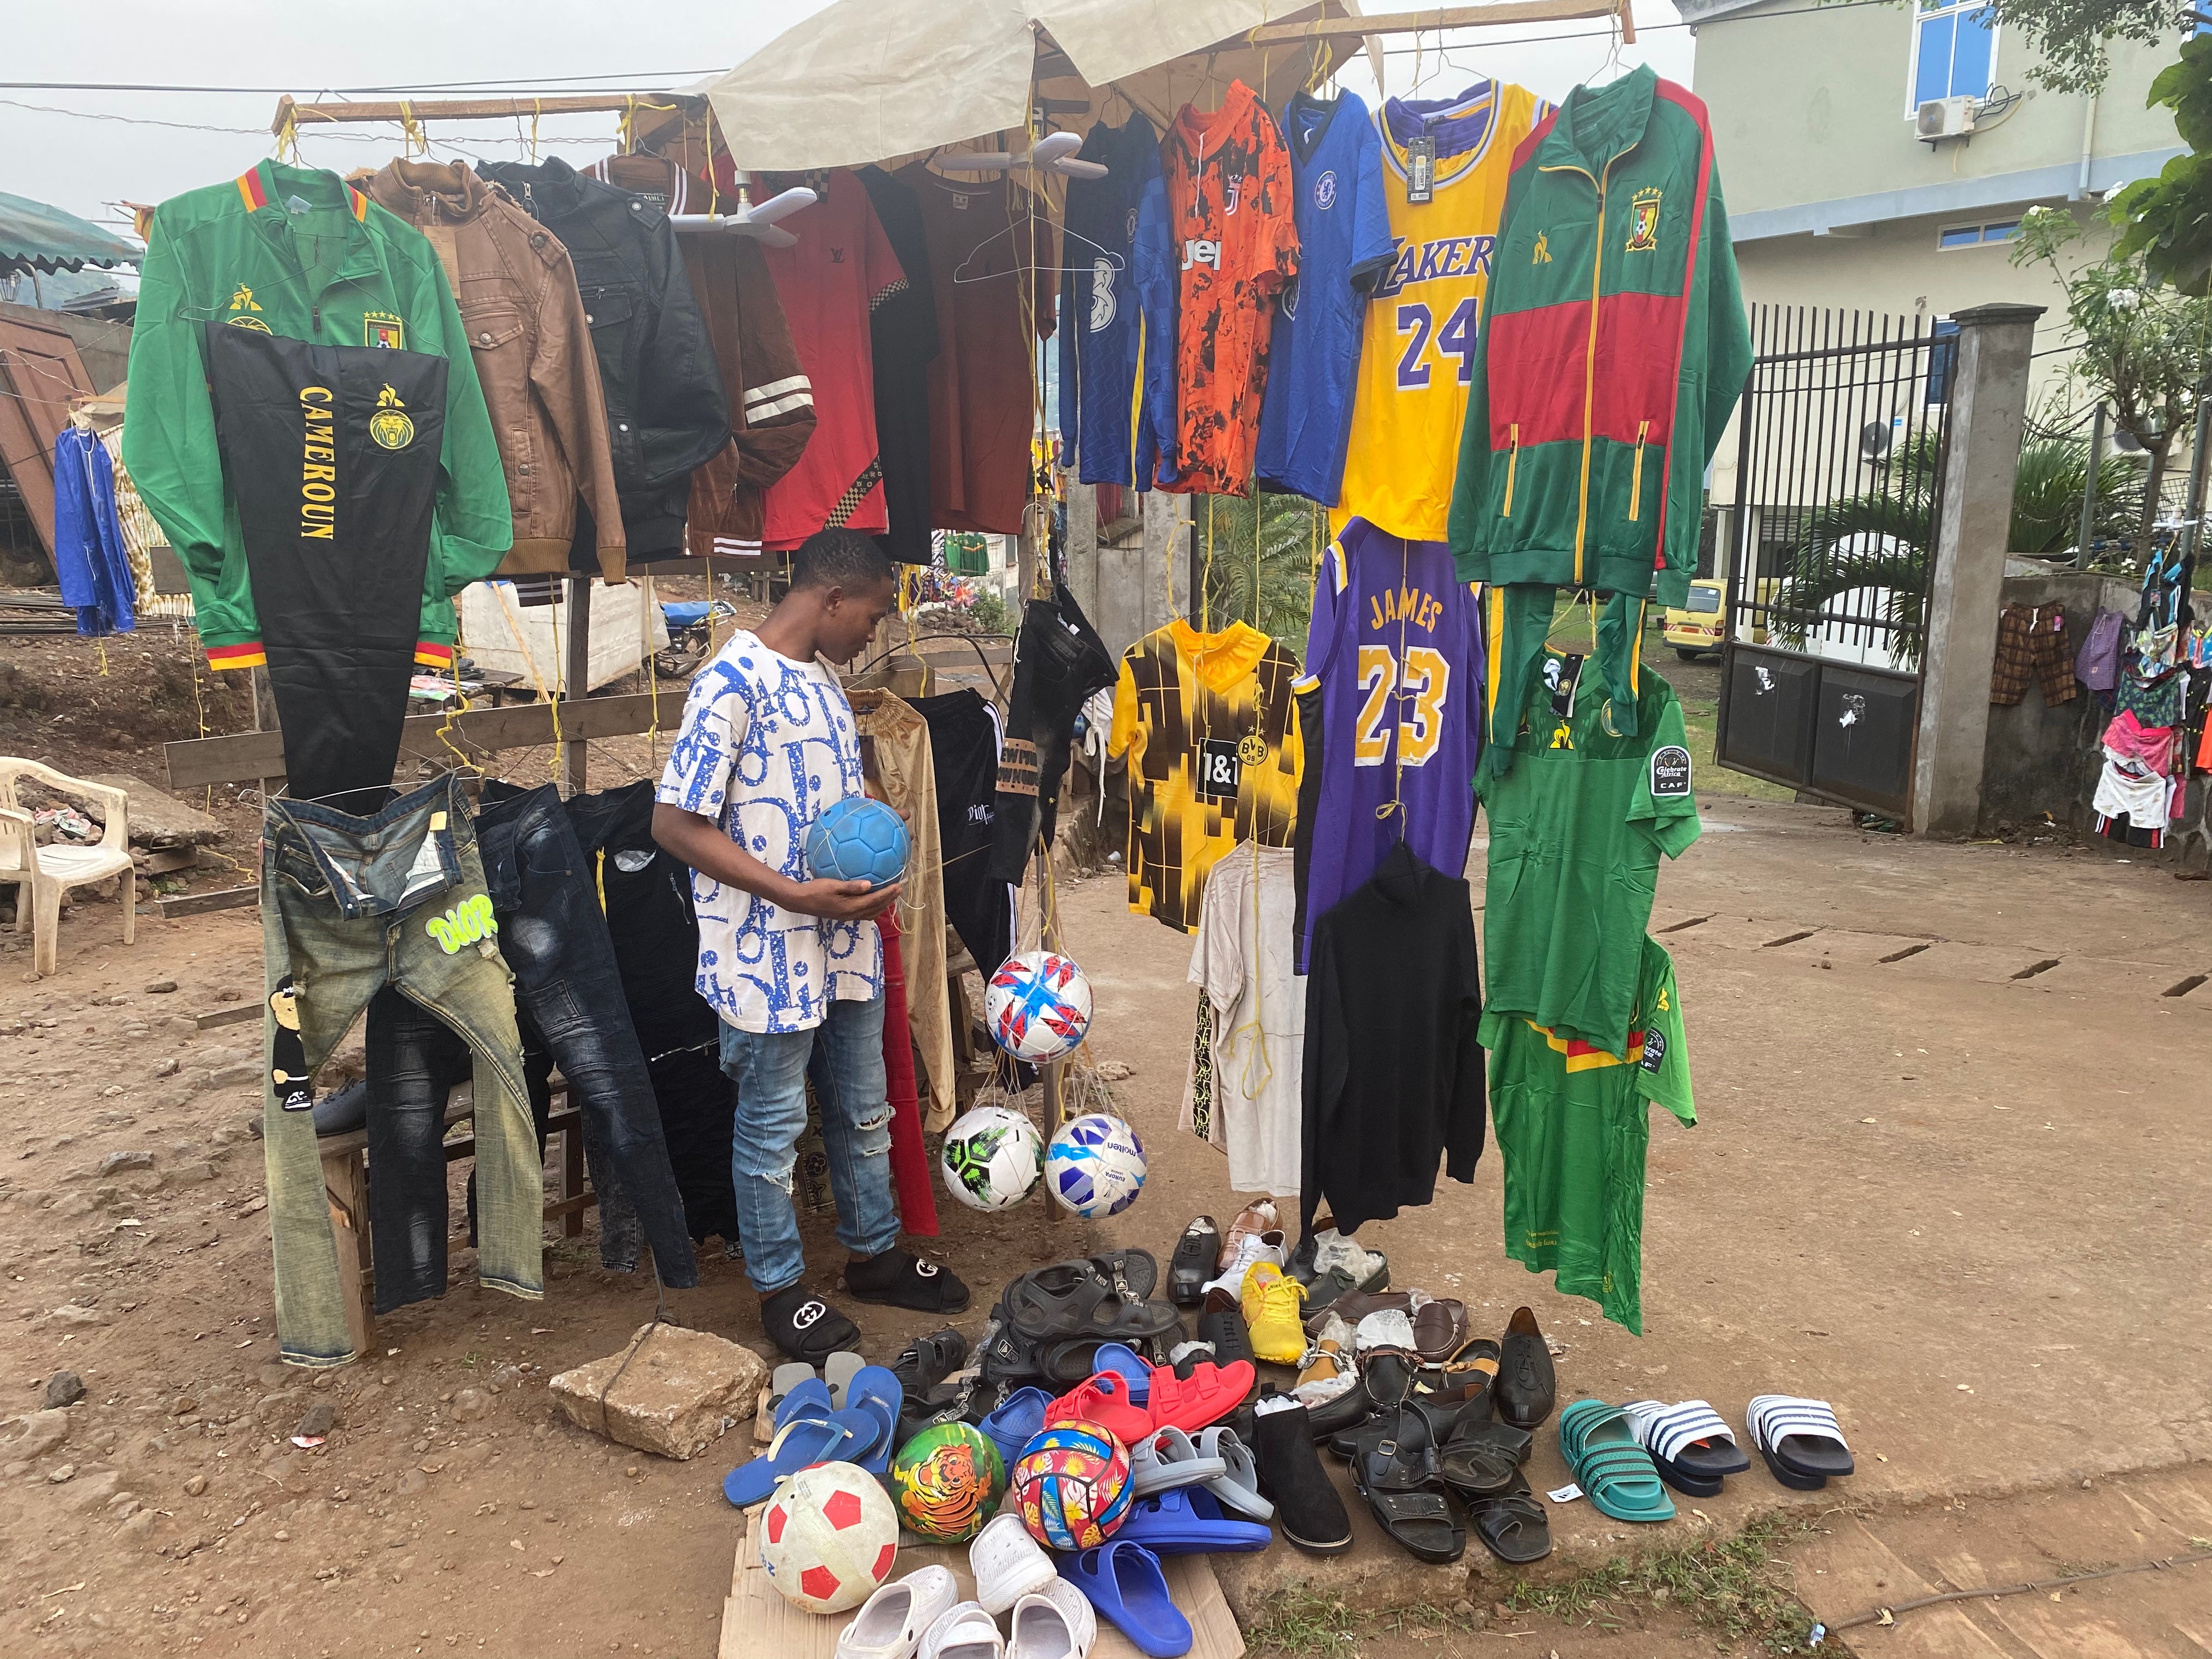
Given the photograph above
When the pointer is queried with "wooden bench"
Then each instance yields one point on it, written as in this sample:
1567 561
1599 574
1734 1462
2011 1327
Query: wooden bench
345 1185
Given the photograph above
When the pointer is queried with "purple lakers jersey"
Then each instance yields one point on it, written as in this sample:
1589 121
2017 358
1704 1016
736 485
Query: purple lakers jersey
1395 653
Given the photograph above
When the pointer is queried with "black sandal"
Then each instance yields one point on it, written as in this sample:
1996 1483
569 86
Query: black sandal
1086 1298
1481 1459
899 1279
1512 1525
928 1360
1399 1481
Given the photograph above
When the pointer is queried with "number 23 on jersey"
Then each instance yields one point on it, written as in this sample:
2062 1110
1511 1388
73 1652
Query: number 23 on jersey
1420 686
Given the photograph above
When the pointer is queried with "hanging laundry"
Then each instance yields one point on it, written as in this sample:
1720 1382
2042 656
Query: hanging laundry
1230 236
1344 249
666 412
1257 998
993 273
1576 831
90 561
770 400
1102 340
1395 654
1393 1082
524 320
1058 662
964 738
1210 728
1444 165
902 339
2031 645
1573 1123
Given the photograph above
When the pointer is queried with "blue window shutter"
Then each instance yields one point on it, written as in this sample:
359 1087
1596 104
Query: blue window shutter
1942 360
1970 56
1932 76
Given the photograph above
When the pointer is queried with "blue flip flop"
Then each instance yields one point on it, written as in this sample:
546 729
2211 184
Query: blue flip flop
799 1444
807 1398
874 1392
1124 1582
1188 1520
1119 1356
1015 1424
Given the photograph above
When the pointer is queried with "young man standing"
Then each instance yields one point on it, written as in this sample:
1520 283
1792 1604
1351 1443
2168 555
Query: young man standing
794 966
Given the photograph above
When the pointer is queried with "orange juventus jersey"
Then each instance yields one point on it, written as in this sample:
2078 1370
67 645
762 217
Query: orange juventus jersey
1211 731
1231 228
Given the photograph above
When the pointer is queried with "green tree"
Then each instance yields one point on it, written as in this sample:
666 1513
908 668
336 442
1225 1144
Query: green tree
1274 591
2137 346
2072 40
2167 221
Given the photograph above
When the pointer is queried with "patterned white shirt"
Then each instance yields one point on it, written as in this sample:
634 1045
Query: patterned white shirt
767 743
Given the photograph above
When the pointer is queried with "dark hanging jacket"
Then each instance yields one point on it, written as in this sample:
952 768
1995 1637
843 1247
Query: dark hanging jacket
667 411
903 333
1394 1075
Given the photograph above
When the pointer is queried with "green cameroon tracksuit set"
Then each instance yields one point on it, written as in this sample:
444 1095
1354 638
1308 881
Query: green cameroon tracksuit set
1613 347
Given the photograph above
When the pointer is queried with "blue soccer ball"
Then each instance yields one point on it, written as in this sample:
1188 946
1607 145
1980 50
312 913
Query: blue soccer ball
1095 1164
858 840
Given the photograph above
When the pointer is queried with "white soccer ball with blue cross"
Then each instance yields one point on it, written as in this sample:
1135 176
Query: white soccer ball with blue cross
1095 1164
1037 1005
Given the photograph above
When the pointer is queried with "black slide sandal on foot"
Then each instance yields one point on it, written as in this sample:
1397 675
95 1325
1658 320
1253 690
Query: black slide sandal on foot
899 1279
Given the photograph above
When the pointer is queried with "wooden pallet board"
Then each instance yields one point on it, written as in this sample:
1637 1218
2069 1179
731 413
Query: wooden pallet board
757 1623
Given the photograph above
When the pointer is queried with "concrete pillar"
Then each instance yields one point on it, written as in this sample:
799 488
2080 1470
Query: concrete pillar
1973 522
1140 578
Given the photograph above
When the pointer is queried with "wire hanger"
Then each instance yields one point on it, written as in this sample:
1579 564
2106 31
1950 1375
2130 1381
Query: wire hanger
1113 260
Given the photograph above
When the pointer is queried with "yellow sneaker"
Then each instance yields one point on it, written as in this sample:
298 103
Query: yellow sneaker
1271 1302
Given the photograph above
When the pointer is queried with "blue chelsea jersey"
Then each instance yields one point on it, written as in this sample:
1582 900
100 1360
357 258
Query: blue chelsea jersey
1344 249
1101 335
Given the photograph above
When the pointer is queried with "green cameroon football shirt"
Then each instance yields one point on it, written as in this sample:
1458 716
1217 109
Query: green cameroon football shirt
1576 828
1572 1123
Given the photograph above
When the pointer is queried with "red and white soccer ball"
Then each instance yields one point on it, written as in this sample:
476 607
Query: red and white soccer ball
828 1537
1037 1005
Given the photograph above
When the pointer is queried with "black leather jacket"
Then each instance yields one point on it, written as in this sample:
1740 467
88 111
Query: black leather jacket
667 411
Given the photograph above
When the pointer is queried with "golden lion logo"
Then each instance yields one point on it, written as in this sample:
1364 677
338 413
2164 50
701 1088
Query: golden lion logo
391 426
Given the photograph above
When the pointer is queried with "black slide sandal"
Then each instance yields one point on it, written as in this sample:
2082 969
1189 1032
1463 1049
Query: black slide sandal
1512 1526
1399 1482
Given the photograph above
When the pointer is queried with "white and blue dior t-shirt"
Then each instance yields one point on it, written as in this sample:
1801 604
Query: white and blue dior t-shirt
767 743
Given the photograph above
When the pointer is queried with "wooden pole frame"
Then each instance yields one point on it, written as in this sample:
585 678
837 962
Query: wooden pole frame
1449 17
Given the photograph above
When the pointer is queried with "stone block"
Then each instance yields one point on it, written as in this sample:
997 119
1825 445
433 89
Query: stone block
34 1435
675 1396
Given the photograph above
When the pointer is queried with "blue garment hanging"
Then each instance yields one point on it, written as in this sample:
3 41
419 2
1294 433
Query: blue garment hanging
89 553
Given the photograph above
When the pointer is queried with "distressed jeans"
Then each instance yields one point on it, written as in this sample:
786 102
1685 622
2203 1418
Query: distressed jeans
349 905
844 1056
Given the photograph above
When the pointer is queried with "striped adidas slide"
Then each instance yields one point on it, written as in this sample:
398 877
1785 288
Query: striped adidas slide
1691 1444
1800 1439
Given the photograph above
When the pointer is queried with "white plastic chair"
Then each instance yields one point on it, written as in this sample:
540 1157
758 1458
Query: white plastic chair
50 872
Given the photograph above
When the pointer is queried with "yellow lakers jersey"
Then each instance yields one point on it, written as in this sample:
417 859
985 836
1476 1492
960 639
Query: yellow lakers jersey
1416 356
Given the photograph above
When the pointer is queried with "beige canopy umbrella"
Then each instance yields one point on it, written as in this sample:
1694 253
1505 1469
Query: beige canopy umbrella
863 81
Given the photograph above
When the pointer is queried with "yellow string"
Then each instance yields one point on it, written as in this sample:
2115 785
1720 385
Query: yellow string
411 131
1206 576
536 108
653 676
288 137
599 877
102 646
530 658
1396 802
199 717
459 702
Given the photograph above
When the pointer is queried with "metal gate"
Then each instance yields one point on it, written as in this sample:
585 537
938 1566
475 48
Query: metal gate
1839 462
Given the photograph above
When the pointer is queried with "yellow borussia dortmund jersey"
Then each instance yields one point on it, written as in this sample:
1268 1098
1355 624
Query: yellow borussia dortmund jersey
1209 727
1417 354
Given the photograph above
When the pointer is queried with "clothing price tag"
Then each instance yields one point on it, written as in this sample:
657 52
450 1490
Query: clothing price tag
1421 168
1565 1494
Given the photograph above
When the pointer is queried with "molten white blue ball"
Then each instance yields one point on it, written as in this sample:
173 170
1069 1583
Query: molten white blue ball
1095 1164
857 839
1037 1005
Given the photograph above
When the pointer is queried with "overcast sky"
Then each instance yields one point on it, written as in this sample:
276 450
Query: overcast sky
87 159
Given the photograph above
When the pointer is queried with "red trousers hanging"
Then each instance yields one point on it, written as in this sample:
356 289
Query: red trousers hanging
917 1199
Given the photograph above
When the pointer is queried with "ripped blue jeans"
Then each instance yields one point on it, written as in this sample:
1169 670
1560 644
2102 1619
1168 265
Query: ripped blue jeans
844 1056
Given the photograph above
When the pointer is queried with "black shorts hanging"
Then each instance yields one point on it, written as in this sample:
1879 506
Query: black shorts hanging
332 455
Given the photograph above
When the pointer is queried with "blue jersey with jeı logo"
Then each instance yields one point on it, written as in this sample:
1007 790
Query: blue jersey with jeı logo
1344 248
1101 336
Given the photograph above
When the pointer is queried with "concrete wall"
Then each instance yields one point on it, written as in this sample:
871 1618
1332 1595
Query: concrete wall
1815 107
1141 578
2044 758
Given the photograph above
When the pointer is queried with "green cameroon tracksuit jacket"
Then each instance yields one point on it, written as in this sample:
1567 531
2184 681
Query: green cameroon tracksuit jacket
1613 348
295 252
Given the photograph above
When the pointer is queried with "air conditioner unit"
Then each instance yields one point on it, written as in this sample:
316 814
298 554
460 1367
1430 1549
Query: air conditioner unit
1945 118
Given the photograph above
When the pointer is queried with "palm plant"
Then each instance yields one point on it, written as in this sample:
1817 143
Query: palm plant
1883 539
1272 591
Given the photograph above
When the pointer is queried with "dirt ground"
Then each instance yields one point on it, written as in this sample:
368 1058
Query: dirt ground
1947 1175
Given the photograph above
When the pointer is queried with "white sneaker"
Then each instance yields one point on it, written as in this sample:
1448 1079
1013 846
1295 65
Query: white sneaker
891 1623
964 1631
1057 1622
1251 1249
1008 1563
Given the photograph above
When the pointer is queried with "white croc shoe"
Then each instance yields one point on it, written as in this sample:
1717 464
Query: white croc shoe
1057 1622
963 1631
890 1623
1008 1563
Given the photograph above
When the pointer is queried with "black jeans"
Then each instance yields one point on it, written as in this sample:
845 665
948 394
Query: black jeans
656 944
337 544
555 939
1058 660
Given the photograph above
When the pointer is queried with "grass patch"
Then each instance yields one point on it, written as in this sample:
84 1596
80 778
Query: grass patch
1301 1623
1734 1587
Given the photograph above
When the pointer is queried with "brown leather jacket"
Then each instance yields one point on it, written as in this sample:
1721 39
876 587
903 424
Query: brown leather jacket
533 352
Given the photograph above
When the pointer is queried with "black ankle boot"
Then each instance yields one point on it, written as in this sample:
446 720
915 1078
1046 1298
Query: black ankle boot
1307 1508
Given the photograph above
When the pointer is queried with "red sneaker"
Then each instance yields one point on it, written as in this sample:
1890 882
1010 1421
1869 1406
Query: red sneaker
1104 1399
1209 1393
